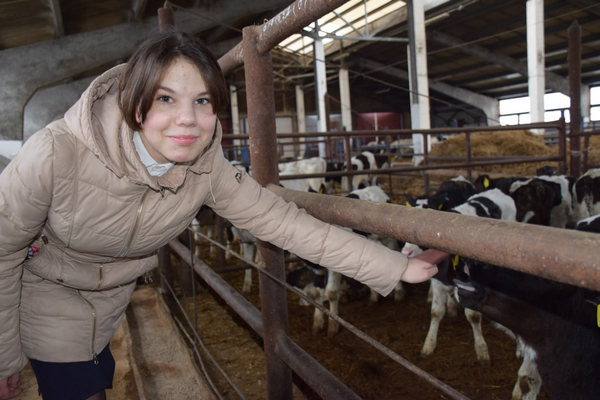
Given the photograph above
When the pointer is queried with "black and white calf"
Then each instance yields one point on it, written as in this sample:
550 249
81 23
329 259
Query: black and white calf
586 194
451 193
323 285
489 204
330 286
544 200
365 161
484 182
375 193
559 323
314 165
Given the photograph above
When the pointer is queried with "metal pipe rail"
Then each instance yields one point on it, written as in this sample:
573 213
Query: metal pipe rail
562 255
408 132
289 21
384 171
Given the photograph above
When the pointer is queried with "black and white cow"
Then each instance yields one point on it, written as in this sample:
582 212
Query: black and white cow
329 285
323 285
451 193
586 194
375 193
544 200
314 165
489 204
559 323
484 182
365 161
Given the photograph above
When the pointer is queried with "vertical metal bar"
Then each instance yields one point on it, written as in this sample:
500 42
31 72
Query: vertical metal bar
164 266
187 284
562 145
469 169
425 162
586 148
263 156
574 59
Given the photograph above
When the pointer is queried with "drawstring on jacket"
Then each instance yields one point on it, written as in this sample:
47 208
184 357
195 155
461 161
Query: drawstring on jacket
211 189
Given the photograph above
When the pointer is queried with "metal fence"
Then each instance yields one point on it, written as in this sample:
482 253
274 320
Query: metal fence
565 256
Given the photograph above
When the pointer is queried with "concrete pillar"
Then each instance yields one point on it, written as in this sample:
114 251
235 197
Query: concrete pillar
417 72
321 91
301 117
535 58
345 106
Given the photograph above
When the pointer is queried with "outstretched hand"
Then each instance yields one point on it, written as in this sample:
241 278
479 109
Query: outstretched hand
422 267
10 387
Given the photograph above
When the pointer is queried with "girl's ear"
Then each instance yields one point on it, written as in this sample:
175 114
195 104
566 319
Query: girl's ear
138 117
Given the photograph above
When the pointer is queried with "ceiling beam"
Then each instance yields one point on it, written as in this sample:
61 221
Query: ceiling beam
25 69
488 105
553 81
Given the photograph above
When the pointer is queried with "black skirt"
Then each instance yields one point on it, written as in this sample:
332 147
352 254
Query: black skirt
74 380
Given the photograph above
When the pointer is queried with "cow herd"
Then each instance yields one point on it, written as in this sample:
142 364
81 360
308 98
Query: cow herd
556 326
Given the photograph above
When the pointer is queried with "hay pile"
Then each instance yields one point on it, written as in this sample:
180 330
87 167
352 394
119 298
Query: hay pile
594 151
497 144
483 144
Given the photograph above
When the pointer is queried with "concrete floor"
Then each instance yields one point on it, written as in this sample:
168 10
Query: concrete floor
152 361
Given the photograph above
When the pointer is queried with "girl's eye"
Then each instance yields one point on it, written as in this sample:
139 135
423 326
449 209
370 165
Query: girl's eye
165 99
202 101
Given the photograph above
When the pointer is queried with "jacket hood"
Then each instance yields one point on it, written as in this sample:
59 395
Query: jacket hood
96 120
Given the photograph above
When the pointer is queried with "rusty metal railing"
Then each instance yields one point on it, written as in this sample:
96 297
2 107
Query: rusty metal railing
567 256
468 161
418 226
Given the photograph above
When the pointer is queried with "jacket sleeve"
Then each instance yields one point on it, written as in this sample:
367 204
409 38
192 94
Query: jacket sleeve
247 205
25 194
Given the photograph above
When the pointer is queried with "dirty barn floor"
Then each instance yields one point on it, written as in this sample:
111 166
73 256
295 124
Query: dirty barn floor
400 326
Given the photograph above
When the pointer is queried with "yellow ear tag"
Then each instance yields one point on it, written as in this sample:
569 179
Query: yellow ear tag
440 206
486 183
455 260
598 316
408 204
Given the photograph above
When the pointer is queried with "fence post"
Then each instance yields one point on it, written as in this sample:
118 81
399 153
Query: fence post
263 156
166 271
574 58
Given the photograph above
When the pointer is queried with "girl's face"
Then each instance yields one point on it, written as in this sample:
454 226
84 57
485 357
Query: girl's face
180 122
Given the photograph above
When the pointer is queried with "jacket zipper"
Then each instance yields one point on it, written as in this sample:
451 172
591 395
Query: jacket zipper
93 309
135 224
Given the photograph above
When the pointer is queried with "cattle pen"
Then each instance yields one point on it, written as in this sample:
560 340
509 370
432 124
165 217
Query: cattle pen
497 242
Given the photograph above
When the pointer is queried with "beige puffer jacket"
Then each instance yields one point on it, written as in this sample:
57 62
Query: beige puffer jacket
79 189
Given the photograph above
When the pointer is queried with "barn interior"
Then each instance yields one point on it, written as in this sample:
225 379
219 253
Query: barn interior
476 55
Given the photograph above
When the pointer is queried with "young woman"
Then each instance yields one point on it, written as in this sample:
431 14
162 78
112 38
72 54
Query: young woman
90 198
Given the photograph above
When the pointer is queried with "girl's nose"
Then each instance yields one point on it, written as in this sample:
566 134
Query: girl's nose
186 115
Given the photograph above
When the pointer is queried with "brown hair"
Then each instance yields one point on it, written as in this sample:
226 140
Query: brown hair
150 60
